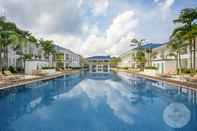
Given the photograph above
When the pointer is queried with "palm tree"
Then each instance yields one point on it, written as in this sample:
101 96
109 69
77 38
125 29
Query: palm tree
138 43
187 19
26 56
10 36
177 46
139 55
48 48
153 55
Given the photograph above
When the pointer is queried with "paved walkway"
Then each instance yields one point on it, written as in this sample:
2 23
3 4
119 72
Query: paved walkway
175 79
31 79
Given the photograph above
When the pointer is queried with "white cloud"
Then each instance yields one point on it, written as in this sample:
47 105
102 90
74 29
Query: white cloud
69 41
100 6
168 4
120 32
90 29
115 40
94 45
165 4
122 45
41 16
75 25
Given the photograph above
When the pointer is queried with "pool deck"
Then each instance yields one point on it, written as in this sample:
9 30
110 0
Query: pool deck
177 82
33 80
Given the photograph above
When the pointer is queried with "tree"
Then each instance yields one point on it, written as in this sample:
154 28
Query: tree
48 47
10 36
139 56
140 59
114 61
138 43
177 46
26 56
187 19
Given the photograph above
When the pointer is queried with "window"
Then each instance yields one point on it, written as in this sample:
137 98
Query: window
67 57
100 68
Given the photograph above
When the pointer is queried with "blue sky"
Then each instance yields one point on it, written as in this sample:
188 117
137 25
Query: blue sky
96 27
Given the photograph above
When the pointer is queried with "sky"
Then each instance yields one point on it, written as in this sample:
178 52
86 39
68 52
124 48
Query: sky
96 27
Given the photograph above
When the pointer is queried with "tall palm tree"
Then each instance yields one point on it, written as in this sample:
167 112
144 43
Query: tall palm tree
177 46
10 36
48 47
138 43
187 19
139 55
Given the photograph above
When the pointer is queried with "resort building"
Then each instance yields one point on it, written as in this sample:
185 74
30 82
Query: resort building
99 64
163 61
66 58
16 59
166 63
38 60
128 58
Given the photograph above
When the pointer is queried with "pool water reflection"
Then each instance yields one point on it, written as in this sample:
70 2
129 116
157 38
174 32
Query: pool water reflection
98 102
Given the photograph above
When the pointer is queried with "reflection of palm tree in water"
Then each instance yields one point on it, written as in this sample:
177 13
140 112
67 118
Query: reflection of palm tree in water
140 88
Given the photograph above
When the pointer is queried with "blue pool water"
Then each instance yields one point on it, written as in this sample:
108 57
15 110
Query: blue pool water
98 102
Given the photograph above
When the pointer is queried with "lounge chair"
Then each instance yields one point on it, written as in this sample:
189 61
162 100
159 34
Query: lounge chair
11 77
61 70
167 75
38 73
192 79
2 77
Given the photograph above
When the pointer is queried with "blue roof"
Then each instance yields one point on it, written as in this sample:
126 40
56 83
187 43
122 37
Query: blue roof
99 58
151 46
58 47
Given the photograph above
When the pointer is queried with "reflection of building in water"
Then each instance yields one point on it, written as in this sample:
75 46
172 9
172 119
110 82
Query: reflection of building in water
99 76
34 96
143 90
99 64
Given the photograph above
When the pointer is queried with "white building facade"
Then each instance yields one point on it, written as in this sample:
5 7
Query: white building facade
168 64
127 60
15 56
70 59
99 64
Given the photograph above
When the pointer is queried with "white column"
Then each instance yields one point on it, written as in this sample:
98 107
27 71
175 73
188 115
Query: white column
108 68
90 68
64 60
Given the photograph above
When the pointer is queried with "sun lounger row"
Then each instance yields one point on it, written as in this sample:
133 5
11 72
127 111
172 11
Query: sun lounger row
7 76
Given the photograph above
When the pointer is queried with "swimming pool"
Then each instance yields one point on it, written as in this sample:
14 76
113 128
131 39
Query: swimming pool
98 102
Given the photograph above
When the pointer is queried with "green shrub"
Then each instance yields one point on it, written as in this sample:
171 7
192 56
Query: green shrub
60 64
19 69
125 68
151 67
186 71
12 69
47 67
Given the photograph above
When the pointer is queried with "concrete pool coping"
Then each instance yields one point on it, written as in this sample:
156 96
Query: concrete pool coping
34 80
183 84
